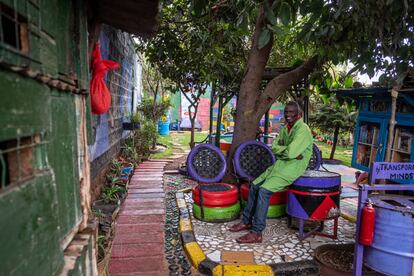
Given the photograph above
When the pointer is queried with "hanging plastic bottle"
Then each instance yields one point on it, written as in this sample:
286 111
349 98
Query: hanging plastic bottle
366 233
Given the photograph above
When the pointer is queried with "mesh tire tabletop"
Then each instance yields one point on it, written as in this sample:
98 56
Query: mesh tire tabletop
254 160
207 163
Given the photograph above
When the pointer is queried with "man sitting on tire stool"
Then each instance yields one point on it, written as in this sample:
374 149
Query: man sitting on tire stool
293 150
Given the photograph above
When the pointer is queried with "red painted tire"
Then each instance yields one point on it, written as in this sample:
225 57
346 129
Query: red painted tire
216 198
215 202
276 198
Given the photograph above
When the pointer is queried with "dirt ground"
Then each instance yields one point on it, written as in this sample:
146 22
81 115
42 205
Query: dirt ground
176 163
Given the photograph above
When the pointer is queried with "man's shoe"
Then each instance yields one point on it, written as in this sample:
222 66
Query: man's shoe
239 227
251 237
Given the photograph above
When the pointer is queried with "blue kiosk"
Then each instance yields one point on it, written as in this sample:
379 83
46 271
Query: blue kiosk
371 133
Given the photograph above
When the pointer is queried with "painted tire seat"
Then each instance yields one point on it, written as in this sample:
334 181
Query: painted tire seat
274 211
217 214
275 198
224 198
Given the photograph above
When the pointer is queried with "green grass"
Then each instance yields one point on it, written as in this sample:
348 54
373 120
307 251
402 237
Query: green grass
181 138
341 153
184 137
167 141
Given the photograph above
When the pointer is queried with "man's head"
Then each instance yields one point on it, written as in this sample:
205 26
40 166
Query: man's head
292 113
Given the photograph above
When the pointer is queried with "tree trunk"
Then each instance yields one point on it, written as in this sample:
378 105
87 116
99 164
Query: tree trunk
394 96
192 116
246 114
335 142
252 105
192 143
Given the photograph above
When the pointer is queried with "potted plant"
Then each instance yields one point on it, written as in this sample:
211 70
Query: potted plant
134 122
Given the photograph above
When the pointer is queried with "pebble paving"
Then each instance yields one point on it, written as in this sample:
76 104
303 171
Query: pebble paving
280 244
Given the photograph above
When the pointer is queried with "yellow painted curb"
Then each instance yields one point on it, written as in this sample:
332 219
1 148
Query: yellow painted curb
243 270
185 190
185 225
181 203
195 253
348 217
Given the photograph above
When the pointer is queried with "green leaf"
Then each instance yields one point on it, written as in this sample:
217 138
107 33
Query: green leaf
198 6
325 98
348 82
243 22
264 38
271 16
284 13
328 82
277 30
350 106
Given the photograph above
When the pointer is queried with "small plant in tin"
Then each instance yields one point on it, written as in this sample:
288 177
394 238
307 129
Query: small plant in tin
111 194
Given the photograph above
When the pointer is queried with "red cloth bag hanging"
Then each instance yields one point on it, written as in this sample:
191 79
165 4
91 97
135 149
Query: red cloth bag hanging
100 96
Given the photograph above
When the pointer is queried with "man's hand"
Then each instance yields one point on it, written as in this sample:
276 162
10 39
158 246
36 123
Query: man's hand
300 157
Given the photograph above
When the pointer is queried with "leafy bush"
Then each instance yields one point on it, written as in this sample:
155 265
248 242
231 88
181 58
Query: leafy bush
145 137
129 151
153 110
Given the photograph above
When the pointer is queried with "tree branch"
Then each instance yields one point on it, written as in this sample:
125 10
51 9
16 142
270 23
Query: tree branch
282 82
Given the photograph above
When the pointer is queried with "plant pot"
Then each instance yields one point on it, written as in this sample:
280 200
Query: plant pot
131 126
106 208
337 260
122 194
127 170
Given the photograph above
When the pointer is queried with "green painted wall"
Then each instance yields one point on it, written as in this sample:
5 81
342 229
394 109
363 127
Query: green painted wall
175 108
38 212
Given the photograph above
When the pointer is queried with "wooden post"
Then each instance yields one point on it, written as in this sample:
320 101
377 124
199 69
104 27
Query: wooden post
212 101
218 126
394 96
266 127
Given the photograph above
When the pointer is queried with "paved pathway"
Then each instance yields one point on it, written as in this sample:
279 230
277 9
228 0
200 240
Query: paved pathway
138 247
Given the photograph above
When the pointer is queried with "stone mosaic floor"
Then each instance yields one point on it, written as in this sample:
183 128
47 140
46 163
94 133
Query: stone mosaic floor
280 244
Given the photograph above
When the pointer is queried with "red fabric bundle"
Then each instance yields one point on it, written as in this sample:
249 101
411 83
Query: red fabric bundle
100 96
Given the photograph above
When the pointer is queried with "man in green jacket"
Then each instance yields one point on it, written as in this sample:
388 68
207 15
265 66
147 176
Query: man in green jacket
293 150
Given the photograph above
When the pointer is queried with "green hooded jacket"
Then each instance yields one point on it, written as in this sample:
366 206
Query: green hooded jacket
287 147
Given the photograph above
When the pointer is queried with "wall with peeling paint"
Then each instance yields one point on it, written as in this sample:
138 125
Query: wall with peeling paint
43 78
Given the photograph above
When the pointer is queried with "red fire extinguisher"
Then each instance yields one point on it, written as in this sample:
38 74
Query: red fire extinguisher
366 232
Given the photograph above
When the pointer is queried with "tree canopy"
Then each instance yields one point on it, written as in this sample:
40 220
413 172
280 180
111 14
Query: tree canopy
201 41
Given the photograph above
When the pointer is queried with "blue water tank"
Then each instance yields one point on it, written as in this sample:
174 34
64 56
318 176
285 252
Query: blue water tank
164 127
392 249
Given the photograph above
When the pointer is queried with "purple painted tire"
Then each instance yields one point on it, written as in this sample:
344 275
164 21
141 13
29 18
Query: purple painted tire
316 159
238 166
217 162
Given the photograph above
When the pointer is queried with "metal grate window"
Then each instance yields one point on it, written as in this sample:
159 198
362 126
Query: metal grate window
14 30
21 159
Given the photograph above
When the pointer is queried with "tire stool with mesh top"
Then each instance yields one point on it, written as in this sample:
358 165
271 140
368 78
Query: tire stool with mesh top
213 201
250 160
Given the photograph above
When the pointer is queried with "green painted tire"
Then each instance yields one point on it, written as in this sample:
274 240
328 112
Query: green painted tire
275 211
217 214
